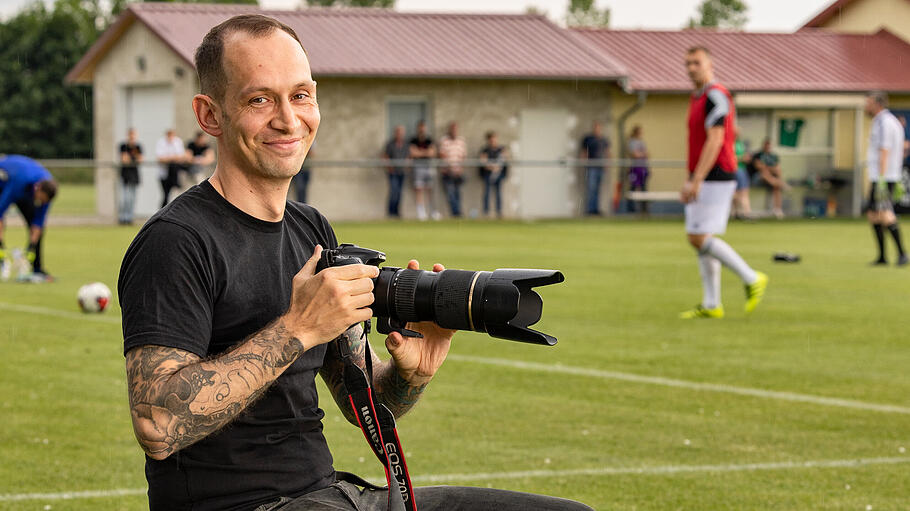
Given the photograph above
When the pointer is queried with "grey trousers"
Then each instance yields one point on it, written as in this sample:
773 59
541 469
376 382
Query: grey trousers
344 496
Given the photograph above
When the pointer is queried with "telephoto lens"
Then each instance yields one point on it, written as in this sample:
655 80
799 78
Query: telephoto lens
501 303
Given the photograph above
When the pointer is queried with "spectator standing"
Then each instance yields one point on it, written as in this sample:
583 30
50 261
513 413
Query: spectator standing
453 151
766 164
130 158
493 169
594 146
397 150
639 173
200 154
301 181
884 160
422 151
172 156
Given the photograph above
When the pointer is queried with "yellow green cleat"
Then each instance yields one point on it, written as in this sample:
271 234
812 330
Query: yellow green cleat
755 292
701 312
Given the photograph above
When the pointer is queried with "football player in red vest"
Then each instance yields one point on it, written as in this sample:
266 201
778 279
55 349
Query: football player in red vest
709 189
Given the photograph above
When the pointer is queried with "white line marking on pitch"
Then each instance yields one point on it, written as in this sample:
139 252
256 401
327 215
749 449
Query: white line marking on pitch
58 313
602 471
661 470
89 494
578 371
669 382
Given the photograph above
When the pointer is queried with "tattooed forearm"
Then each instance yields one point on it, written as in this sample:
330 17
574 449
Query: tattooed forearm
176 398
394 391
389 388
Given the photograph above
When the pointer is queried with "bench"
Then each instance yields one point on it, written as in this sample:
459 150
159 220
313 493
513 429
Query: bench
653 196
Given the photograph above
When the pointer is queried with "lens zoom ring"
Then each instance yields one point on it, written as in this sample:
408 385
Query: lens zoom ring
405 294
451 304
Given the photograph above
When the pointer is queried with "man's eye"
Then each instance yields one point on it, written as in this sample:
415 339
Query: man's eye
258 101
302 95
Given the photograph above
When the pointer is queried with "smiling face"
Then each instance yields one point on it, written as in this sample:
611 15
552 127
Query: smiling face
269 113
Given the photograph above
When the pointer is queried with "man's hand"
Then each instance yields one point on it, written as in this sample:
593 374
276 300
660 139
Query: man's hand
689 191
418 359
326 304
881 191
898 192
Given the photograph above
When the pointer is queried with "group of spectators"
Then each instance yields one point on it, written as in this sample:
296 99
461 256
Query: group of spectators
418 154
594 150
174 159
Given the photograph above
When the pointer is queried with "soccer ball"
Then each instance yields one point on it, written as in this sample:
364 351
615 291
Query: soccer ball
93 297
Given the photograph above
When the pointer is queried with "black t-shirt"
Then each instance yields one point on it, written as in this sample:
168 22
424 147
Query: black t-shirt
422 144
595 146
202 276
197 149
129 172
494 157
768 158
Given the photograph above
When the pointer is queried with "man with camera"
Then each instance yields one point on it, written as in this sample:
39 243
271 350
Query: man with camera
226 321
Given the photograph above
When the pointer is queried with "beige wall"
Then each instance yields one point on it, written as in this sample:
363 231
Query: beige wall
868 16
118 69
663 123
354 126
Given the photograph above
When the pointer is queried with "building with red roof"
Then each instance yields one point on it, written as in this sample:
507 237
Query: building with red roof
540 86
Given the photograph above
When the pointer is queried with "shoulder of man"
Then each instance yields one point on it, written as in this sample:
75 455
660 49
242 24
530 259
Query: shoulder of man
316 221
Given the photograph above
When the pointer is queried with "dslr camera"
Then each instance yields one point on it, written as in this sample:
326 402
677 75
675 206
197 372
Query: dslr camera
501 303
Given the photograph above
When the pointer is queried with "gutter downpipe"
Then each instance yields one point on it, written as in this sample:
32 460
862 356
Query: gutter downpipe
640 100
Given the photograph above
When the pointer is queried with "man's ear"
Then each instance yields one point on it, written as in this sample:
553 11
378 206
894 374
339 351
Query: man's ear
208 114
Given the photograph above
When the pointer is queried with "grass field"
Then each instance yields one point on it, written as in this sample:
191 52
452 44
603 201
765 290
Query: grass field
807 404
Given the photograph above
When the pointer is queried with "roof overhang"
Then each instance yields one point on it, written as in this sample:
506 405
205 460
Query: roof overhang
799 100
83 71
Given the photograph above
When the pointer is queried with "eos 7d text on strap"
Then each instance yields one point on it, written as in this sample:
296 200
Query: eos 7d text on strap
378 426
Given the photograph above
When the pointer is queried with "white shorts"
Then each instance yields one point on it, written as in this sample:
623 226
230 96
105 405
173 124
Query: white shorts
711 210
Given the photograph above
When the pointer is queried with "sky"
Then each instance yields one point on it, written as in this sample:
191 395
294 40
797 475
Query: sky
764 15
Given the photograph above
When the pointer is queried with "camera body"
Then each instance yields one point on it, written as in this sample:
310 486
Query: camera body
501 303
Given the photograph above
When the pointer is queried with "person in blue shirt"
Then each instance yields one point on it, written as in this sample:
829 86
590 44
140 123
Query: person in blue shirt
595 147
28 185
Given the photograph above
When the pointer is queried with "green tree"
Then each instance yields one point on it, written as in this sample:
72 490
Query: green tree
351 3
40 115
583 13
721 14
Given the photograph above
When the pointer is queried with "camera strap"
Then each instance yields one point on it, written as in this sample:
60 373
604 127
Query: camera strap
378 425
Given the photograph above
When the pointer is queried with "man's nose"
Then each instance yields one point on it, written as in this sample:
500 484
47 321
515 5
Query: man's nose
285 119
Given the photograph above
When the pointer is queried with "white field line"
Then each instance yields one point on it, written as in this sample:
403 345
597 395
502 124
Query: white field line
482 476
684 384
577 371
67 495
15 307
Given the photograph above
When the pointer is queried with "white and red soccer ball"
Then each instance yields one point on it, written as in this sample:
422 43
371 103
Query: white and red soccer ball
94 297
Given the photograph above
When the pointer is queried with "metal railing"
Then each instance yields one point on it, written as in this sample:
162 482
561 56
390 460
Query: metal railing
356 189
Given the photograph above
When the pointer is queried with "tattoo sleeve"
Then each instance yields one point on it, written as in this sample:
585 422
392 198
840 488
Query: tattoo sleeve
177 398
389 388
